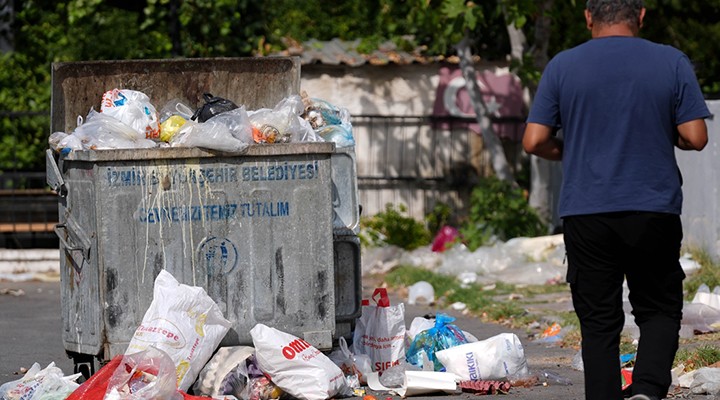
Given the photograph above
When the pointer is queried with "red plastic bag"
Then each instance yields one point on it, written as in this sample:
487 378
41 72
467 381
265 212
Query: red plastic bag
444 238
95 387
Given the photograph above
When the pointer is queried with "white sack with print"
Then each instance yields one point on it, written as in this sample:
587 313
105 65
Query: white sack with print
184 322
295 366
380 331
494 358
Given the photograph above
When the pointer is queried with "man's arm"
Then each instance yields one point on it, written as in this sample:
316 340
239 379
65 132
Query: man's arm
539 140
692 135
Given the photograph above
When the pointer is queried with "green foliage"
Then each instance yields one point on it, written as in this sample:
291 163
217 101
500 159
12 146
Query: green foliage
438 217
499 209
392 227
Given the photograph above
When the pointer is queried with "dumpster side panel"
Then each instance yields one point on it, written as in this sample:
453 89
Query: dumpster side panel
253 82
250 230
79 273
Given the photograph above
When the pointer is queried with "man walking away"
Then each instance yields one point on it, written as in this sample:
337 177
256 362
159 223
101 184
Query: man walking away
623 104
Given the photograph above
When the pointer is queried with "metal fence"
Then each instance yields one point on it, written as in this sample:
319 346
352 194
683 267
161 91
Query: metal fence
420 161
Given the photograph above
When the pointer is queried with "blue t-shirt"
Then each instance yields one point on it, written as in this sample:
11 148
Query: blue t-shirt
618 101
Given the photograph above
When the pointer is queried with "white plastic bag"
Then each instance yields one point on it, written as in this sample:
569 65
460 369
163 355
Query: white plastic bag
380 332
134 109
184 322
40 384
296 366
351 364
210 134
101 131
494 358
146 375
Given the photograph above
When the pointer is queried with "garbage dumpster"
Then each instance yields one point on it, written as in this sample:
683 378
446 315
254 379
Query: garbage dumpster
270 234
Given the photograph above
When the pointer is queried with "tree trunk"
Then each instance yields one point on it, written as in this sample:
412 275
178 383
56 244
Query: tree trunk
491 140
545 175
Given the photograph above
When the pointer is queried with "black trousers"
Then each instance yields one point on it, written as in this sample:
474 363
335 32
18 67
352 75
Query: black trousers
644 248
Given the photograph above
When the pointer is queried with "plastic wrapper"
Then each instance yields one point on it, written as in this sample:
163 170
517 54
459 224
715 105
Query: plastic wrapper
134 109
338 134
149 374
442 336
238 123
329 122
282 124
170 127
175 107
351 365
209 135
394 377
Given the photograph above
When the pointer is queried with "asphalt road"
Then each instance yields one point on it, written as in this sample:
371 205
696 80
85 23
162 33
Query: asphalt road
31 332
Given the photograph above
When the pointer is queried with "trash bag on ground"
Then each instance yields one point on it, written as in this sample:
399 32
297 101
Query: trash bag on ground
494 358
443 335
145 375
380 331
351 364
184 322
296 366
47 383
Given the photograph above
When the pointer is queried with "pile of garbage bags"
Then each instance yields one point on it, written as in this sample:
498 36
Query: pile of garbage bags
128 120
175 351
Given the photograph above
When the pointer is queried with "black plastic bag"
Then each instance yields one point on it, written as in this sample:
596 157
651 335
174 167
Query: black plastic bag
213 106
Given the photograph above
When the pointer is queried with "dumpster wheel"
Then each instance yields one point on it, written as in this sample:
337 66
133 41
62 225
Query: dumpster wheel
83 364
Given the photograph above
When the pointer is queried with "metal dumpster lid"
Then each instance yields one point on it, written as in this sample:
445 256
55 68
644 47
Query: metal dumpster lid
255 150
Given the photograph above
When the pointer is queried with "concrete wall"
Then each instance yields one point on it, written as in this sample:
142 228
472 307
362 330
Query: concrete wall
701 190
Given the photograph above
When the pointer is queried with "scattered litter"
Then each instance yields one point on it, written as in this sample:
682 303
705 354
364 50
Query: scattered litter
485 387
443 335
553 378
13 292
421 292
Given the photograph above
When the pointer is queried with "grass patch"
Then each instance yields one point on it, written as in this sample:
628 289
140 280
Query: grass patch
697 357
405 275
709 274
448 290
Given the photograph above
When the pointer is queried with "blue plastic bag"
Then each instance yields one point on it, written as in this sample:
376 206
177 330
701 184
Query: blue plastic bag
442 336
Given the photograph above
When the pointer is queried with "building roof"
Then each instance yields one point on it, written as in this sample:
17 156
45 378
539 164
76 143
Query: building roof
337 52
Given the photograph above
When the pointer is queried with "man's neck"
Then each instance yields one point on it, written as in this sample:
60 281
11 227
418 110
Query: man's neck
613 30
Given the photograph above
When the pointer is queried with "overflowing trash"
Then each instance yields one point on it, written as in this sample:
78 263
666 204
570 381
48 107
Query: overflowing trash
127 119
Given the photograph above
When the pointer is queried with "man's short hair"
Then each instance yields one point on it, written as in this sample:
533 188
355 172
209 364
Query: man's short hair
609 12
